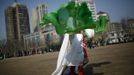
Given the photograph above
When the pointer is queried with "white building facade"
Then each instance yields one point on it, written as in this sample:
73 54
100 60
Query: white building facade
37 15
40 41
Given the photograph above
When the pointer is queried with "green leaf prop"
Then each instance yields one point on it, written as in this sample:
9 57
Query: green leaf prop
73 18
101 23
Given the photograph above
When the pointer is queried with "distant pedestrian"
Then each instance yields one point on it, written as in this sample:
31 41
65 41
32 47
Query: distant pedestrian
91 43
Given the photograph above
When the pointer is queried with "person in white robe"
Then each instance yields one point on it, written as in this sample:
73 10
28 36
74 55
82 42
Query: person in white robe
71 52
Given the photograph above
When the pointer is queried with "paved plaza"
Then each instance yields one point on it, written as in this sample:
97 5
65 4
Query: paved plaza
117 59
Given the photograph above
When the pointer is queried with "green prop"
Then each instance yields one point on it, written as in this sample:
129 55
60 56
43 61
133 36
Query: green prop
101 23
73 18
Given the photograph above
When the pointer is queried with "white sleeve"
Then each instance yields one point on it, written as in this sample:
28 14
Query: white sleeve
89 33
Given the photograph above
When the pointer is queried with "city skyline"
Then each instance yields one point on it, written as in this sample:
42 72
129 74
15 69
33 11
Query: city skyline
116 9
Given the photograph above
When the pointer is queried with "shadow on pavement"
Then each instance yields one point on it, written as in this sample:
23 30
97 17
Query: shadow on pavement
88 70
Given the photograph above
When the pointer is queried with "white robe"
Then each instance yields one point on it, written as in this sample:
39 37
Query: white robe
75 54
71 52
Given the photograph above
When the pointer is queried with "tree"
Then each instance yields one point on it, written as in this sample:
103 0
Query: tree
2 48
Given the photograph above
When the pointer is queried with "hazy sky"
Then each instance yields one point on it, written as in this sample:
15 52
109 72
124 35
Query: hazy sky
117 9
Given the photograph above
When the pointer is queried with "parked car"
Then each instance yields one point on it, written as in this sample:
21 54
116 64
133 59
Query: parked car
112 38
128 38
112 41
121 36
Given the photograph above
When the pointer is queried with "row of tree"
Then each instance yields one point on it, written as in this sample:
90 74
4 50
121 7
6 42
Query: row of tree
15 48
11 48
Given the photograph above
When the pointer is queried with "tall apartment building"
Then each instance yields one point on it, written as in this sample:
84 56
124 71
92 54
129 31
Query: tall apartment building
37 15
91 6
17 21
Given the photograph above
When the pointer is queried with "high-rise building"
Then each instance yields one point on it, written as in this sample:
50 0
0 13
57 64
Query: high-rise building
37 15
91 6
17 21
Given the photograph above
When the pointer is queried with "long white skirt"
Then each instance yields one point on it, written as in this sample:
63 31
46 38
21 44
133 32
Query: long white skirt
71 52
